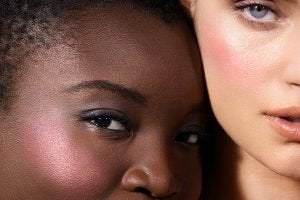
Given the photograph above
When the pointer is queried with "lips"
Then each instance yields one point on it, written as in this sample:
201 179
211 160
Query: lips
295 120
286 122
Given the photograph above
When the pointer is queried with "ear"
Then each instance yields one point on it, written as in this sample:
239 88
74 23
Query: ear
189 6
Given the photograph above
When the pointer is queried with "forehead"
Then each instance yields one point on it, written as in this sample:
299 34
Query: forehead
118 44
130 34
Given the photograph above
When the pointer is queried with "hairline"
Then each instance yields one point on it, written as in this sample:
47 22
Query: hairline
58 34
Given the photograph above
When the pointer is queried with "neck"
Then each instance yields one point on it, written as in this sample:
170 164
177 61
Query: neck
237 176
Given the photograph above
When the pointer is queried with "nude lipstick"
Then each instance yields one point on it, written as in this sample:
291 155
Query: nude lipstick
286 122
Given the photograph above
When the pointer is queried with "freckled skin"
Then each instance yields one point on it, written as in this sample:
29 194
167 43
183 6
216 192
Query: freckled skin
250 70
48 152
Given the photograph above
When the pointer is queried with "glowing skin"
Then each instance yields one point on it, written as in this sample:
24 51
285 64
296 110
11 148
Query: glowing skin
56 144
251 61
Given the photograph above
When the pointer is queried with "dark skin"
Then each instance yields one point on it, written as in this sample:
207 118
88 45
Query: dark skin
116 115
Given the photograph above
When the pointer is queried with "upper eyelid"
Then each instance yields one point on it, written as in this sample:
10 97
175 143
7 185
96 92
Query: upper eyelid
195 128
268 4
94 113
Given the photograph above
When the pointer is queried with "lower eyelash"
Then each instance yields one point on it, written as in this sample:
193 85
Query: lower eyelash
258 25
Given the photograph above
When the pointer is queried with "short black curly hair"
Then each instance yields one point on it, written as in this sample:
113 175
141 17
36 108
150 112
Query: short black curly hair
26 25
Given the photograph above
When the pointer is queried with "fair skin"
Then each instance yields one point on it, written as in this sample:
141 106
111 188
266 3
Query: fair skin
250 52
112 116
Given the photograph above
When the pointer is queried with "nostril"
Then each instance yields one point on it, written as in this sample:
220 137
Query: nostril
150 194
143 191
140 180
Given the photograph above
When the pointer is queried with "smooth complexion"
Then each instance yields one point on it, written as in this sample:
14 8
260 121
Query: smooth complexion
118 114
250 51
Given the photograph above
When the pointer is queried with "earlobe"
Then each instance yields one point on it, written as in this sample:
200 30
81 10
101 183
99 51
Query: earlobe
188 5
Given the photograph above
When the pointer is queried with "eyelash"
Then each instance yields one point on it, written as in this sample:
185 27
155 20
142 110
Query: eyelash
243 6
193 135
117 121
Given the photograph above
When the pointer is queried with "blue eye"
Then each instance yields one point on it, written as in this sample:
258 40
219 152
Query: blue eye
192 135
257 12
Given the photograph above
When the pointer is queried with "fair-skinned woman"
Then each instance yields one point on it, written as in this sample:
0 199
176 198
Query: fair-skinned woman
250 51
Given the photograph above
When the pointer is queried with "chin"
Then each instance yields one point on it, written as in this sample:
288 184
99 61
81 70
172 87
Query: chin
286 165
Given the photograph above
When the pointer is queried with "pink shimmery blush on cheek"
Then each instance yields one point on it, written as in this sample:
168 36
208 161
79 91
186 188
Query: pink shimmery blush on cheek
55 158
226 56
219 53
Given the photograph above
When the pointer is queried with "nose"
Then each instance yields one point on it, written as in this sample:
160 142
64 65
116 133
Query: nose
150 182
292 57
292 74
153 176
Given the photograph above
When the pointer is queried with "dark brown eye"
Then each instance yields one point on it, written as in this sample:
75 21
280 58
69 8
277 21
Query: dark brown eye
108 122
106 119
191 135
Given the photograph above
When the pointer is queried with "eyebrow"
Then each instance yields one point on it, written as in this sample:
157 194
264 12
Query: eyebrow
289 1
292 1
118 89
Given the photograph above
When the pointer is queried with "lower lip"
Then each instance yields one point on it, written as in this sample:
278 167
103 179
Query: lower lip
287 129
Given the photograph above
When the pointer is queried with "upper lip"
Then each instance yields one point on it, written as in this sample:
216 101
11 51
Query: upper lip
288 112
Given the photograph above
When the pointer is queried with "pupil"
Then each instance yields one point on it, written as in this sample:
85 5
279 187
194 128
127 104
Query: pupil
259 8
258 11
103 121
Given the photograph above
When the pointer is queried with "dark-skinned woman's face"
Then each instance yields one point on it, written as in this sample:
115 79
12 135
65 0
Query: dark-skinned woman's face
116 115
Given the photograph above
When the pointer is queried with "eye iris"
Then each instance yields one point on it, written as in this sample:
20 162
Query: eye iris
258 11
103 122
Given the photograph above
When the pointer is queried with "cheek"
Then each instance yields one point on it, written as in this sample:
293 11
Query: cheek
57 160
195 181
230 58
191 175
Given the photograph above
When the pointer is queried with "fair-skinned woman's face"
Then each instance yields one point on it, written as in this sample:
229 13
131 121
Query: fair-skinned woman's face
115 115
251 57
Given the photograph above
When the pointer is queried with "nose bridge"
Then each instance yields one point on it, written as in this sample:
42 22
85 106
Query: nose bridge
158 163
158 151
291 52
